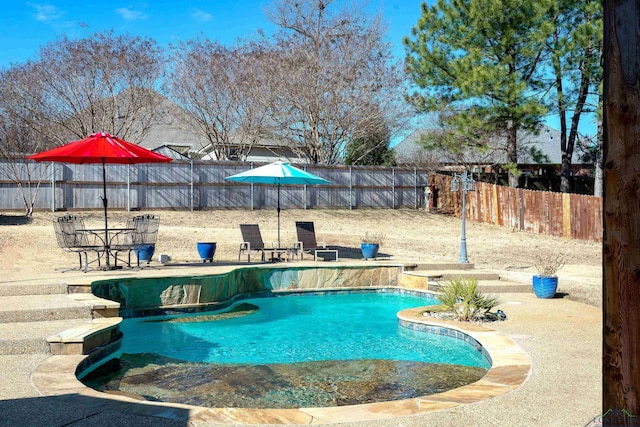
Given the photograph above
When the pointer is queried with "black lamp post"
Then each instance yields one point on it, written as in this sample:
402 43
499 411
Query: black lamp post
463 183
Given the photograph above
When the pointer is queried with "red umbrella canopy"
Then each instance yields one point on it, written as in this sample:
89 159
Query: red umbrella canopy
100 148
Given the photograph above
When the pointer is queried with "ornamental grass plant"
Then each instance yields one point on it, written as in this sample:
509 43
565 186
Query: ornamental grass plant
460 297
548 264
373 237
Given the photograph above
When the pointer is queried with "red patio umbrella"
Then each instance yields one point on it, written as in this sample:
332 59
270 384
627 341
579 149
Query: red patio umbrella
100 148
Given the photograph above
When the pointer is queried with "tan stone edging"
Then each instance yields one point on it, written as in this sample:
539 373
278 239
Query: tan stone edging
510 369
85 337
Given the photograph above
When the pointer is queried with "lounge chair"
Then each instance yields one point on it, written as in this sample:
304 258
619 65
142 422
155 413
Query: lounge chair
307 242
72 236
252 241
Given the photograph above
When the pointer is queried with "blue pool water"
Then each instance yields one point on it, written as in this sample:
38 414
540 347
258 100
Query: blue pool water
302 328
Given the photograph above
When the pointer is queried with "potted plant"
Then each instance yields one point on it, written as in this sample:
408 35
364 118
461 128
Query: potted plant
371 244
545 283
206 250
144 253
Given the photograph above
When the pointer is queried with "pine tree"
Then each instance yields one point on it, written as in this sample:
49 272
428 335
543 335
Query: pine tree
575 48
482 59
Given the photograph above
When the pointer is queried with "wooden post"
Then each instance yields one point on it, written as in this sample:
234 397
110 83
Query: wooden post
621 243
350 188
128 188
53 187
416 201
192 195
393 188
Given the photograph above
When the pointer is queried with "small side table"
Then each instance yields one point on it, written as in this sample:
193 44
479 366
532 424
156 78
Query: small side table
325 251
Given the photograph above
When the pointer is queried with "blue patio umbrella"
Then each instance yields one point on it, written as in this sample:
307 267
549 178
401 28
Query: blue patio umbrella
278 173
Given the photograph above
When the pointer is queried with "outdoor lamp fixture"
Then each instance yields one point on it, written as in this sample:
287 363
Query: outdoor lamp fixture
463 183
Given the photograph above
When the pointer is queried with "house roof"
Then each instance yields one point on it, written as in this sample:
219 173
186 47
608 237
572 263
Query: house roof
172 128
547 141
168 151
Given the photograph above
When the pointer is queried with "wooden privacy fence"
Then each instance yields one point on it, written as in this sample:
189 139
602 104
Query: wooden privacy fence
574 216
201 185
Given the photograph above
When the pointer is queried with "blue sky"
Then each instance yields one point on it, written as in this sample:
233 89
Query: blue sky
26 25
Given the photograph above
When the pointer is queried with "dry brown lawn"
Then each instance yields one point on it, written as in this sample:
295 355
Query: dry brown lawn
28 248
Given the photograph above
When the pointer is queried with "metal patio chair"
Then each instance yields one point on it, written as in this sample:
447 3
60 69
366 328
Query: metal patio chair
141 230
72 236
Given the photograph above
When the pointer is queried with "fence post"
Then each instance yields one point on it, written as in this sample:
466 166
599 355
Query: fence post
415 188
251 188
393 188
304 188
521 208
350 188
128 188
53 187
192 195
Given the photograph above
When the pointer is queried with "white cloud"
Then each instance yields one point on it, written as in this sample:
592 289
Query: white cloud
130 14
46 12
201 16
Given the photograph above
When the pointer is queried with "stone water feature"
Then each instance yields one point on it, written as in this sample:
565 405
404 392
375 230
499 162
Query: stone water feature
163 295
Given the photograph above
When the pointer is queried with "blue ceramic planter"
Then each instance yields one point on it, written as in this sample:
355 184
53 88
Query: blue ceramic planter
545 286
206 250
144 253
369 250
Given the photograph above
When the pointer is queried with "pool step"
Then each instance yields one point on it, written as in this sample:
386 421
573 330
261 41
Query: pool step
40 308
494 287
431 279
86 337
28 318
32 288
434 276
32 310
443 276
435 266
30 337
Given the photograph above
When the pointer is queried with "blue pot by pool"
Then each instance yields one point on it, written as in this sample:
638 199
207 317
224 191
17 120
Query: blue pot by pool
206 250
369 250
144 253
545 286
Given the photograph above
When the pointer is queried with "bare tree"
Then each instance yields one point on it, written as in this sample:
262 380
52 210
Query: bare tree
575 46
223 91
332 79
19 91
104 83
14 139
443 142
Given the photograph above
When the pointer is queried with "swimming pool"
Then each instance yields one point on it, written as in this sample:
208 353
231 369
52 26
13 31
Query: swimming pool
290 351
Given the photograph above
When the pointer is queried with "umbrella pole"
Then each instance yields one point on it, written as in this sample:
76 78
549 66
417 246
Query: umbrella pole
104 204
278 215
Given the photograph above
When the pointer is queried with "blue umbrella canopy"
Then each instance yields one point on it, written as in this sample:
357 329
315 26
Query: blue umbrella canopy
277 173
